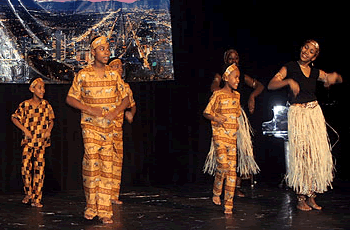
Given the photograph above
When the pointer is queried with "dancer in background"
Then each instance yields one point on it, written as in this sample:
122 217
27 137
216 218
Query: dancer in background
224 112
231 57
99 92
310 159
35 118
116 65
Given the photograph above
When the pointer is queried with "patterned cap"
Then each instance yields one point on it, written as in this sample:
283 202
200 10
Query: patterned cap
99 41
36 81
230 69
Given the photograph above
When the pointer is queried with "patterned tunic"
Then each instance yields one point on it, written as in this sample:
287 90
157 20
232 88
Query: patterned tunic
99 135
36 120
227 105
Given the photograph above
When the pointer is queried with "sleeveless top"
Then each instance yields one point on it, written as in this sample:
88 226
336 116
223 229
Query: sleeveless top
307 84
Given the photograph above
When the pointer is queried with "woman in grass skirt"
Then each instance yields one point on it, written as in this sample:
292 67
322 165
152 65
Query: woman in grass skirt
310 159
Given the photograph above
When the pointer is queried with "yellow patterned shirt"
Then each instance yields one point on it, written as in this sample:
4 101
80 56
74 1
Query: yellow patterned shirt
228 105
106 92
36 120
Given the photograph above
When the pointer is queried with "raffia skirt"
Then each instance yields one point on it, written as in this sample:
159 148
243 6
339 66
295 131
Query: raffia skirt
310 160
246 164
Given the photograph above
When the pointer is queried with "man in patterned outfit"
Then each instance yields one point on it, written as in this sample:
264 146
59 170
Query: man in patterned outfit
35 118
99 92
223 111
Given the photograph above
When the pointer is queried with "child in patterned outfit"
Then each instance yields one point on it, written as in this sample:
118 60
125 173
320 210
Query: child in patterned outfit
223 111
116 64
35 118
99 93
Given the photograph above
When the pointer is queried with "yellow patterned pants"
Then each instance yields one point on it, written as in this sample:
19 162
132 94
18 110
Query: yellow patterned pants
97 171
33 184
117 163
226 172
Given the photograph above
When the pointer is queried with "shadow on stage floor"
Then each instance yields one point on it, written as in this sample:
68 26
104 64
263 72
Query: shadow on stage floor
185 207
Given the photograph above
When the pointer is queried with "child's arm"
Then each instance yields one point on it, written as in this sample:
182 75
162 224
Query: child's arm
48 131
111 115
122 87
210 113
133 110
129 115
220 119
26 132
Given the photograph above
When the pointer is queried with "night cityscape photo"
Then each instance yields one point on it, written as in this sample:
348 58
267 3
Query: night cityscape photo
51 39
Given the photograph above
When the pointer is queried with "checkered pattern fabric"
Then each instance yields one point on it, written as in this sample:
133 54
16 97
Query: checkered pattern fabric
33 184
36 120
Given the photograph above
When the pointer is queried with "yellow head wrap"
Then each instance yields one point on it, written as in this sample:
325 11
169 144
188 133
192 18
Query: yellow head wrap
35 82
230 69
99 41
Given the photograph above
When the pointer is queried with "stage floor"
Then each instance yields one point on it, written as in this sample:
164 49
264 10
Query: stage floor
185 207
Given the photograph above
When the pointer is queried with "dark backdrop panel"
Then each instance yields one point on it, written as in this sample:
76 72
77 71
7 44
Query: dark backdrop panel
169 139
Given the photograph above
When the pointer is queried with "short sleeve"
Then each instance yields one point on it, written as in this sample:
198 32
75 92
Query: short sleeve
212 105
51 113
122 88
75 89
19 113
130 95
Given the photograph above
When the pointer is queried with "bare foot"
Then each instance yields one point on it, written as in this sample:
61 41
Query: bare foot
107 220
88 217
228 211
38 205
117 202
239 193
216 200
26 199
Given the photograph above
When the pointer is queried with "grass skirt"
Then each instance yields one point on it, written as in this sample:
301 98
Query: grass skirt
246 163
310 159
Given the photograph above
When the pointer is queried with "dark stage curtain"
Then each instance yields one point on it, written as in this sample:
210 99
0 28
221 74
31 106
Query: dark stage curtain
166 144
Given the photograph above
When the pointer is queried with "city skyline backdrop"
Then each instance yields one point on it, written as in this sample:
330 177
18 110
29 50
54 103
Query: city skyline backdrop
51 39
